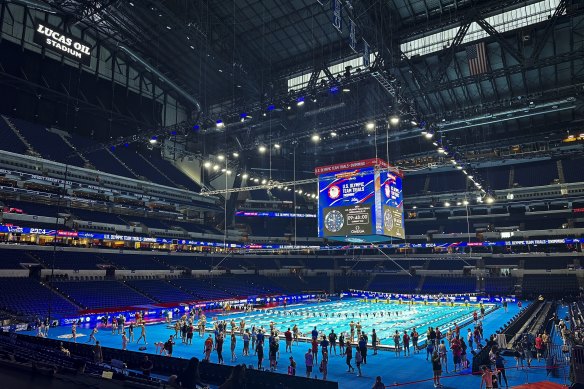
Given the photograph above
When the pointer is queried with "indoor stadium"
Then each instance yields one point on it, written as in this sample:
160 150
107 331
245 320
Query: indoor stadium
317 194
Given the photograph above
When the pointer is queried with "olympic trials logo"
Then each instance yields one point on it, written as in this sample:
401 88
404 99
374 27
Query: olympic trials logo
334 192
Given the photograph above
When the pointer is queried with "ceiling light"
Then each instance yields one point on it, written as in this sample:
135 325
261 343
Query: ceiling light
256 180
394 120
479 199
429 135
277 146
221 157
446 204
459 167
333 134
490 200
262 149
453 161
152 140
458 203
314 100
223 170
228 172
441 150
413 123
465 172
264 181
414 207
216 167
465 202
207 164
288 108
235 154
168 28
264 114
220 70
192 47
299 191
315 138
300 101
244 176
470 176
370 126
220 123
424 132
435 144
346 90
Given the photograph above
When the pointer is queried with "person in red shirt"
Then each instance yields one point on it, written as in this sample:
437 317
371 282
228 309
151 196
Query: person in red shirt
315 350
208 348
288 336
539 346
406 341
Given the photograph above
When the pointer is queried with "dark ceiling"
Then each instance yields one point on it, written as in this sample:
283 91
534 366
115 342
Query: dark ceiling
234 56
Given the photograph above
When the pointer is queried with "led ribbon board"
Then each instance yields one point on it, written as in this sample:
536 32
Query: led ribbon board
360 201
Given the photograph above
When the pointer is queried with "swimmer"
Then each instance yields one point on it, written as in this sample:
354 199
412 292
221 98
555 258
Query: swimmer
92 335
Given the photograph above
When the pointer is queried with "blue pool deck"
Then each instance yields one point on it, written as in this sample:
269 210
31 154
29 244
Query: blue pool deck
411 372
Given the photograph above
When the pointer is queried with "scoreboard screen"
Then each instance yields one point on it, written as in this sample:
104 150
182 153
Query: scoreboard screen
360 201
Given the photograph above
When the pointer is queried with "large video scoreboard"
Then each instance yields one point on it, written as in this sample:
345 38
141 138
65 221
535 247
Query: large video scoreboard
360 201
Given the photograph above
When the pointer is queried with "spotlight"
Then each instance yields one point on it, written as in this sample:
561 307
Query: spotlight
288 108
207 164
153 140
277 146
221 157
333 134
299 191
458 203
413 123
216 167
220 123
429 135
300 101
415 207
370 126
228 172
262 149
235 154
315 138
394 120
244 176
223 170
490 200
465 202
345 90
446 204
256 180
264 181
459 167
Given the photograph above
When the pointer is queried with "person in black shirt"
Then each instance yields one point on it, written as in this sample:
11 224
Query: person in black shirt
146 366
189 378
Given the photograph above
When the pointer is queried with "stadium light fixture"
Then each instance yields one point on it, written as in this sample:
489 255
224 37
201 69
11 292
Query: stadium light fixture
207 164
300 101
221 157
490 200
465 202
264 181
333 134
394 120
235 154
315 138
299 191
256 180
228 172
458 203
446 204
220 123
244 176
153 140
459 167
262 149
216 167
277 146
429 135
370 126
223 170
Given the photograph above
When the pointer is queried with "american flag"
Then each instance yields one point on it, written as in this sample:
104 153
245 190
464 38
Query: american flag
477 59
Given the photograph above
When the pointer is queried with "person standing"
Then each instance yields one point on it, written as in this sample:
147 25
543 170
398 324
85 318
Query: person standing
142 333
333 341
146 366
363 347
414 335
487 378
292 366
436 369
288 337
315 350
500 366
245 337
374 341
324 365
233 344
324 344
131 332
349 356
169 345
260 353
92 335
309 362
406 341
396 344
208 347
74 332
378 383
219 348
342 343
358 361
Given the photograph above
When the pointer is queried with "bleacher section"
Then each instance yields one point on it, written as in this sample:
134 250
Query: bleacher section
25 296
68 260
500 285
159 290
547 172
573 171
101 294
11 259
449 264
548 263
394 283
10 142
134 262
550 285
450 284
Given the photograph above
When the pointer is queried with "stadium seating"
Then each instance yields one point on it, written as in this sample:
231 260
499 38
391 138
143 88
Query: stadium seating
449 264
449 285
28 297
500 285
550 285
10 142
547 172
496 177
134 262
11 259
548 263
159 290
69 260
573 171
101 294
394 283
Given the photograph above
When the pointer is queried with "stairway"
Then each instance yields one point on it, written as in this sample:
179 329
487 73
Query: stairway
426 183
560 171
158 170
511 177
122 163
57 291
66 141
31 150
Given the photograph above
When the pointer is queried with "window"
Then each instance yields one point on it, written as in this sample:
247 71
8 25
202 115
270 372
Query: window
503 22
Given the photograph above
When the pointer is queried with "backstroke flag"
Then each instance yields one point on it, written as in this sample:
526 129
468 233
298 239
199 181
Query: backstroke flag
477 59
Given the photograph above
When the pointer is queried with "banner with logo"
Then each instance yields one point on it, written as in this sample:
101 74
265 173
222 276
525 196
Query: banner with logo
62 42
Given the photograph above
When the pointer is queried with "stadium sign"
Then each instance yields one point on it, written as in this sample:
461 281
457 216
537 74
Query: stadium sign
62 42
